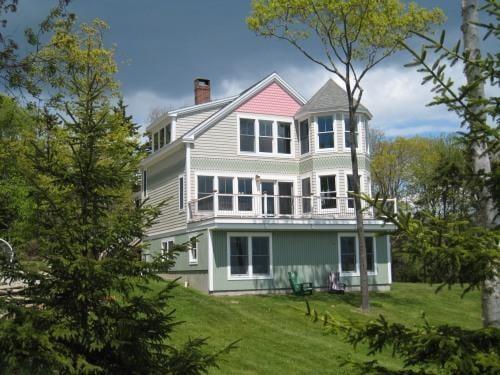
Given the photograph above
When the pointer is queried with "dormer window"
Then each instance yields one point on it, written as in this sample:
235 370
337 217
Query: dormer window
326 133
155 142
162 137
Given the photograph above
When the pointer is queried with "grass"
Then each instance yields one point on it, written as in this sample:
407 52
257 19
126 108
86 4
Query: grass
276 337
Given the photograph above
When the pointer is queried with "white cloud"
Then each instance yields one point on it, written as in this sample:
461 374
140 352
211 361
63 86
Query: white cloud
393 94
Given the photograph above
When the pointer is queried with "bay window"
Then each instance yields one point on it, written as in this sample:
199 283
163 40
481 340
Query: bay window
347 135
306 192
245 188
304 137
350 191
326 133
328 192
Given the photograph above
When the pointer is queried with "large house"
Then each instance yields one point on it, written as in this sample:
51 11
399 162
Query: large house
258 183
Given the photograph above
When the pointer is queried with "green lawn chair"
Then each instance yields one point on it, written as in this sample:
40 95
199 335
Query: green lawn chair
299 288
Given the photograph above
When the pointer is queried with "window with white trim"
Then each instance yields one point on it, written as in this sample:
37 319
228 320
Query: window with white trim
225 193
250 255
144 183
328 191
167 245
347 135
284 138
350 191
306 192
181 192
245 189
247 135
304 137
205 193
193 250
348 254
265 136
370 253
326 132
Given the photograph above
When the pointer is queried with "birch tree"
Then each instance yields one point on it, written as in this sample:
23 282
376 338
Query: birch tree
348 39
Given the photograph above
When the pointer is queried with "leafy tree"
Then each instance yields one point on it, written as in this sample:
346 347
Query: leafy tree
354 36
93 308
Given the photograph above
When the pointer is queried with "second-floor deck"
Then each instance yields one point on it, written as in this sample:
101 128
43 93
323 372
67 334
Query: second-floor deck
263 206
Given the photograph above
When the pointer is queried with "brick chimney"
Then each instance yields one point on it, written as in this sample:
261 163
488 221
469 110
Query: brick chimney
201 90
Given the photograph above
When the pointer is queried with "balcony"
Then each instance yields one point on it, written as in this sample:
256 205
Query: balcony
263 206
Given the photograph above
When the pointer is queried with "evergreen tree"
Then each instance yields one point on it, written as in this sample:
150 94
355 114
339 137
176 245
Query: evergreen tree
91 308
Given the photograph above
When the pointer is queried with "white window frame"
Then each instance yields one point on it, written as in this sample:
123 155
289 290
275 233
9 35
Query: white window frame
144 183
290 126
250 275
337 175
181 185
193 260
166 241
309 124
360 146
275 120
357 272
335 133
312 197
361 190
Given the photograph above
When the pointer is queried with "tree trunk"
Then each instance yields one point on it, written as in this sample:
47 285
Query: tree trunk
480 159
363 269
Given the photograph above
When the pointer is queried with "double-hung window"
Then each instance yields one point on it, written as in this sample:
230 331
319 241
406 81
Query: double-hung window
155 141
247 135
328 192
181 192
265 136
249 255
306 195
304 137
168 133
162 137
205 193
349 254
350 191
245 189
144 183
326 133
284 138
225 193
167 245
193 250
347 131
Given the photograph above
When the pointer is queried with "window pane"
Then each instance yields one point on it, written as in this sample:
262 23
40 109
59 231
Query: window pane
265 144
247 135
265 136
167 134
370 254
181 193
284 146
304 137
350 189
347 136
326 140
285 200
225 187
206 189
245 187
325 124
155 141
162 137
306 191
239 255
260 256
328 192
284 129
348 254
144 183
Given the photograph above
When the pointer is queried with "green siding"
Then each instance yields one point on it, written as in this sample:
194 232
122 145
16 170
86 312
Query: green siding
312 254
182 262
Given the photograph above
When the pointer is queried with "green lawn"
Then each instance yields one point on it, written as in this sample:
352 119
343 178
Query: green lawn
276 337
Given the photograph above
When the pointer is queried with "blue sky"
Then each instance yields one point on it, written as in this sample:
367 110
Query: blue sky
163 45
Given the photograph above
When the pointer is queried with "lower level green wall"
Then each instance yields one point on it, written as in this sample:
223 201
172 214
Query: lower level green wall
312 254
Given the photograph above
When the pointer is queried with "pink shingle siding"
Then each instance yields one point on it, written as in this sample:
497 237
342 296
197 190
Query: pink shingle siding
272 100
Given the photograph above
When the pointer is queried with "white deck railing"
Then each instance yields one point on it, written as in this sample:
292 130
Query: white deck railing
276 206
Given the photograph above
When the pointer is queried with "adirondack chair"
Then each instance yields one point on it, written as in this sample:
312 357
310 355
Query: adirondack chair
334 284
299 288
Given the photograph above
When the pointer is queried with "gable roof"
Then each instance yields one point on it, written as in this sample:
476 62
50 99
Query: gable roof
241 98
191 109
330 97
